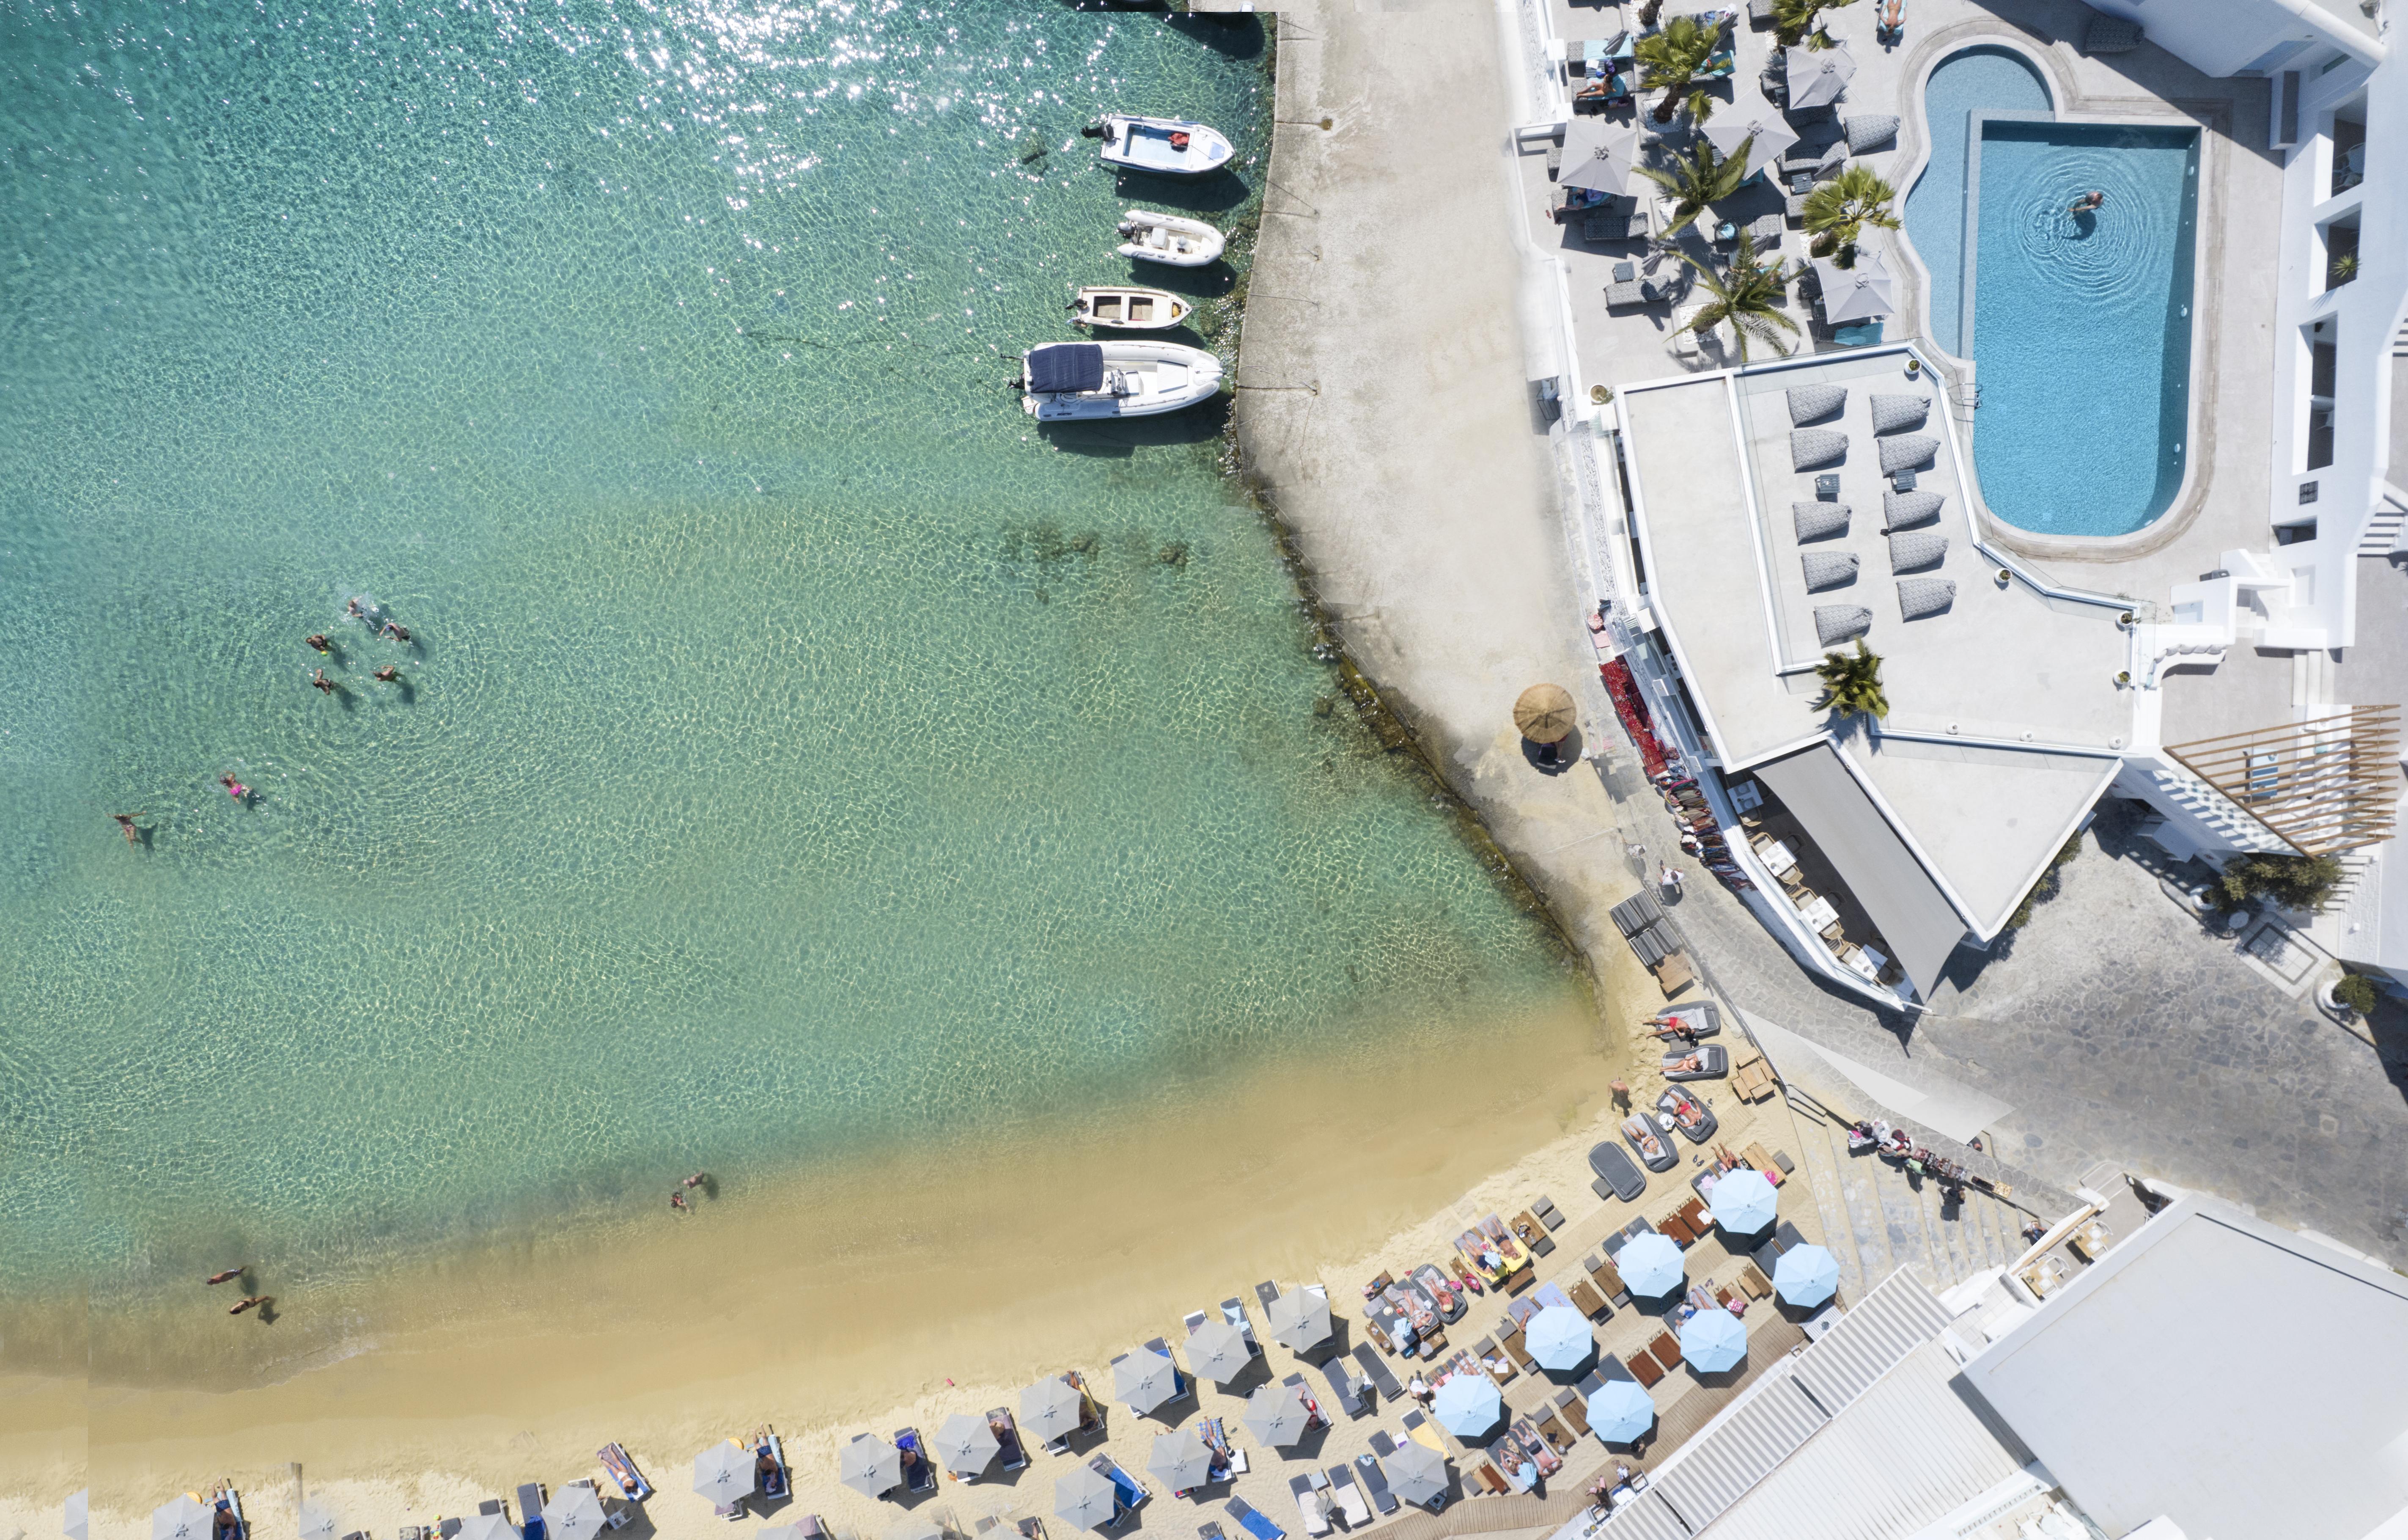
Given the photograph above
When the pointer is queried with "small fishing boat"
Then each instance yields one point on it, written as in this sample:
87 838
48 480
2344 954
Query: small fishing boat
1168 147
1172 239
1127 309
1122 377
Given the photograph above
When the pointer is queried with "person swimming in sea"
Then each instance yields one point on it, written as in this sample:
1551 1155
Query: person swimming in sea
2088 202
388 674
698 1179
125 822
252 1303
320 643
229 1276
234 789
676 1201
396 630
352 607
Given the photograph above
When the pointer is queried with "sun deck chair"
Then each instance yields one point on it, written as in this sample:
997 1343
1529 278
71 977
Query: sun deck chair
1378 1371
1907 452
1921 597
1812 449
1310 1506
1897 414
1628 293
1342 1385
531 1510
1645 1370
1349 1496
1131 1491
1837 623
1870 132
1819 521
1374 1481
1572 1407
1905 510
1829 569
1666 1350
1010 1451
1252 1522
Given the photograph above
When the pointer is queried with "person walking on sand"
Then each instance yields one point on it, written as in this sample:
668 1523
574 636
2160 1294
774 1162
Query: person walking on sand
125 822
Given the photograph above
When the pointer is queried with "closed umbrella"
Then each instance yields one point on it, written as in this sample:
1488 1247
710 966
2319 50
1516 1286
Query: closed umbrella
1300 1319
916 1528
1620 1411
1145 1379
76 1521
1651 1265
1276 1414
1181 1459
1744 1202
1085 1498
1806 1275
185 1519
1545 714
1816 77
1600 156
870 1466
1416 1473
318 1522
1560 1338
1862 292
1050 1408
1759 127
723 1473
574 1512
965 1444
1467 1405
481 1526
1713 1340
1218 1351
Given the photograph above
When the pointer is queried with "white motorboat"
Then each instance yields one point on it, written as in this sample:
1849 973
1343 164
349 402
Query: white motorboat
1127 309
1118 377
1168 147
1172 239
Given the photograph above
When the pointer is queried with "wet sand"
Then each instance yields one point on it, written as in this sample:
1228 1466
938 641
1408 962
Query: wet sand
823 1306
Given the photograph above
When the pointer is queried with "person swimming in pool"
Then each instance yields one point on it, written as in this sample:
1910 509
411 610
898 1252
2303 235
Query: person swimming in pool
2088 202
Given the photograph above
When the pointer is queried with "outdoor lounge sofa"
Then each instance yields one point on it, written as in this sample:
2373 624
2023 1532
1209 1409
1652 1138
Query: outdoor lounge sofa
1897 413
1813 403
1915 549
1907 452
1829 569
1811 449
1905 510
1818 521
1837 623
1919 597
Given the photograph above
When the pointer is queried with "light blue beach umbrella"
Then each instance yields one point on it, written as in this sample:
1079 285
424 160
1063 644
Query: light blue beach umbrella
1744 1202
1806 1275
1621 1411
1467 1405
1560 1338
1713 1341
1651 1265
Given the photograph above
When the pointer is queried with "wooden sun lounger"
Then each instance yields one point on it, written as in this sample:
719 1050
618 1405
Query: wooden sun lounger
1512 1343
1531 1234
1645 1370
1573 1410
1666 1350
1692 1214
1754 1282
1680 1234
1498 1486
1586 1299
1558 1437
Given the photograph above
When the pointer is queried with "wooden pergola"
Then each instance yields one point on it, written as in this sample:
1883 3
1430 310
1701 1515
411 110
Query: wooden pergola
2323 786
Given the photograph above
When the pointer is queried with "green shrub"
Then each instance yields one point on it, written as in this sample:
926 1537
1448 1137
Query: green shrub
2357 991
2049 883
2294 882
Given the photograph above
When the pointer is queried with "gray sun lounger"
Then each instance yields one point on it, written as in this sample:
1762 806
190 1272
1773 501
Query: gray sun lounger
1342 1385
1374 1481
1378 1371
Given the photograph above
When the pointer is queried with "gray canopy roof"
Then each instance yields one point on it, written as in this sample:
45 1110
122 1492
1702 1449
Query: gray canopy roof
1300 1319
1881 873
870 1465
965 1444
1085 1498
1181 1459
1050 1407
1276 1415
1417 1472
1145 1379
1218 1351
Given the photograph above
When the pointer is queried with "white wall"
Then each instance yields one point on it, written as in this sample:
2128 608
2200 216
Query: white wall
2223 37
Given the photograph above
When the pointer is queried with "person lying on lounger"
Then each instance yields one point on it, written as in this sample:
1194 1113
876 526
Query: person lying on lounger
1683 1066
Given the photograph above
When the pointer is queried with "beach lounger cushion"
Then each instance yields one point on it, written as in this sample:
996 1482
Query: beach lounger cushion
1629 292
1920 596
1897 413
1870 132
1907 452
1818 521
1811 449
1837 623
1905 510
1811 403
1917 549
1829 569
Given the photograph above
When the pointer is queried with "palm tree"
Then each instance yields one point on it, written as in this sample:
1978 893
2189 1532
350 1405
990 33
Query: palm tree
1672 58
1852 685
1702 178
1745 294
1793 18
1838 211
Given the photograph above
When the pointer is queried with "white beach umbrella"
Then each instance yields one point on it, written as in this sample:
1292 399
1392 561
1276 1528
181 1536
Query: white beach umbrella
483 1526
965 1444
1086 1498
1806 1275
318 1522
1276 1414
1651 1265
1467 1405
1819 76
186 1519
1560 1338
1300 1319
1218 1351
76 1520
1181 1459
723 1473
871 1466
1759 127
1601 157
1861 293
574 1512
1417 1472
1713 1340
1145 1379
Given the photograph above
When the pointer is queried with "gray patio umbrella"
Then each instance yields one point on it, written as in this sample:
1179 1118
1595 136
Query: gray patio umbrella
1300 1319
481 1526
1600 156
1416 1473
185 1519
1145 1379
1819 76
1085 1498
870 1466
1181 1459
1276 1415
1766 135
76 1521
723 1473
1218 1351
318 1522
1050 1408
965 1444
574 1512
916 1528
1860 293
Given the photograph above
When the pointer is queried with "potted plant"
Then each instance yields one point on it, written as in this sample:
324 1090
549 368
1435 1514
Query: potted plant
1852 685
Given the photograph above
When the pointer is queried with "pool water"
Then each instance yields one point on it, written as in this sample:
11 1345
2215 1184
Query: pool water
2079 324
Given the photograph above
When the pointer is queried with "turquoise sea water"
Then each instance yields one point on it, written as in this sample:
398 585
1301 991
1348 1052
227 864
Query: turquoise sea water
797 750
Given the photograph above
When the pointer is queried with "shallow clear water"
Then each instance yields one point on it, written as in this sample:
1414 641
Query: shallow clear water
797 750
2079 324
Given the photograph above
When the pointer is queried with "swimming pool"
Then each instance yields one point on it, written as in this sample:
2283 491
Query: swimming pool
2080 325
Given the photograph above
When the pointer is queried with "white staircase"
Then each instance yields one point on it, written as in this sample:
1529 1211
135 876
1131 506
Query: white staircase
2230 827
2383 524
